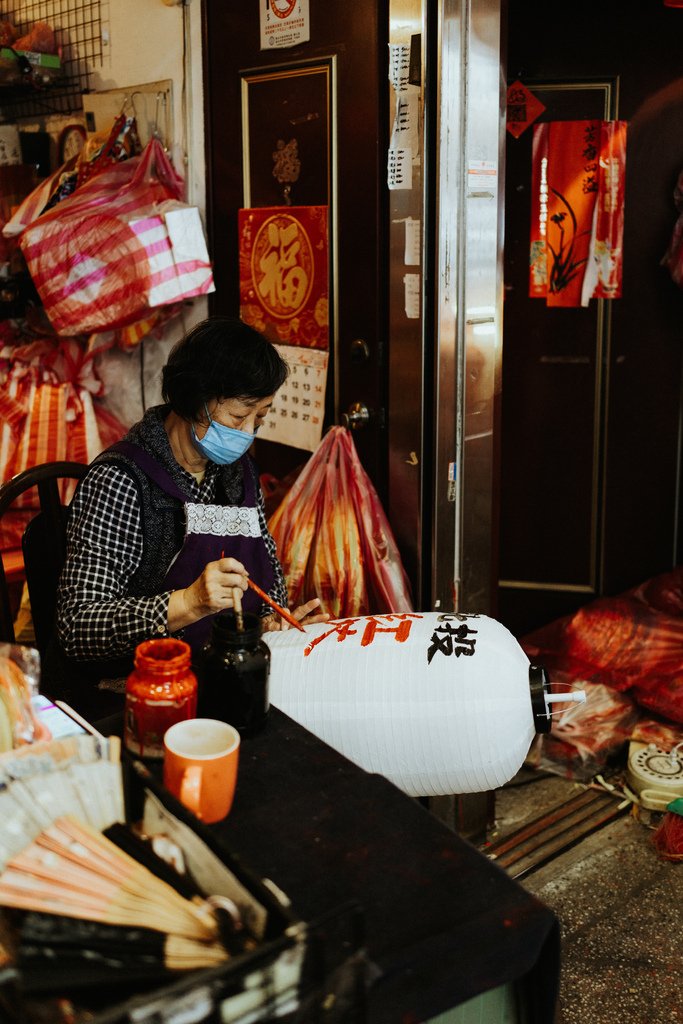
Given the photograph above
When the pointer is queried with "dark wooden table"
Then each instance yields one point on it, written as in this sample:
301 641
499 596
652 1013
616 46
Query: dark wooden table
443 923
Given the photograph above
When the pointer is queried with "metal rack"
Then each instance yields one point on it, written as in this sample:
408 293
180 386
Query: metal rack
78 31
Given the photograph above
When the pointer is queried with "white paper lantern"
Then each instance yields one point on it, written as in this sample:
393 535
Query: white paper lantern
437 703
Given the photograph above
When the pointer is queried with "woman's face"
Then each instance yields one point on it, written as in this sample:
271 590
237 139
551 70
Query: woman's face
239 413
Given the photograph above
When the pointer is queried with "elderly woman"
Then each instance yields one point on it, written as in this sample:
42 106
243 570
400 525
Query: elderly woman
169 522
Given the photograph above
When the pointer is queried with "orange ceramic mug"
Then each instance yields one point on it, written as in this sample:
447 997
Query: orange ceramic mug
200 765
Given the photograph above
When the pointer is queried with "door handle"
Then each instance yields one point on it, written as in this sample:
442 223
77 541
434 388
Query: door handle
356 416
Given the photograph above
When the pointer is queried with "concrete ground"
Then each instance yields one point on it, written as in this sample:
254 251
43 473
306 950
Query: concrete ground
620 910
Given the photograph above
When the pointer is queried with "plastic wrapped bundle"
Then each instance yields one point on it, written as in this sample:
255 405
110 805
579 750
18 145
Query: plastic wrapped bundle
632 643
334 539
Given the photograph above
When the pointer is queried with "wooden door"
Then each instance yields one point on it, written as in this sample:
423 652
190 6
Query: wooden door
350 40
553 423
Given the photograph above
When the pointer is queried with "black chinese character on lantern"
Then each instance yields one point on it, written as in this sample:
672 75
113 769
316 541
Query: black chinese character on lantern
448 639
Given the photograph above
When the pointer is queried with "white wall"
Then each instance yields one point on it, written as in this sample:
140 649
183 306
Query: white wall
146 45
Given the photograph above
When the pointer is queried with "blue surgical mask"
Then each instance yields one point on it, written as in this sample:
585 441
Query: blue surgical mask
221 444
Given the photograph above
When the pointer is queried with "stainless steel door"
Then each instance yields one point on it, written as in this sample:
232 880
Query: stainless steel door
445 363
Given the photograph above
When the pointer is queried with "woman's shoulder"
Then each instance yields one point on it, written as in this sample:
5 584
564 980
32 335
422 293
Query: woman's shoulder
108 484
110 469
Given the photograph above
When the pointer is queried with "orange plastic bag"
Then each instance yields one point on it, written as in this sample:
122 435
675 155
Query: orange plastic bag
333 537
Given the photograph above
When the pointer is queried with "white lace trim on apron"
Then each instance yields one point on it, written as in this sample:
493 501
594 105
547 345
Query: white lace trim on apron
222 520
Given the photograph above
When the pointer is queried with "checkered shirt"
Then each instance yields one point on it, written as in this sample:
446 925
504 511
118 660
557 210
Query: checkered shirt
97 618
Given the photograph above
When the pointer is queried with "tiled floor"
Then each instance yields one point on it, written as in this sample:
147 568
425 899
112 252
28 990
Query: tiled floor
620 908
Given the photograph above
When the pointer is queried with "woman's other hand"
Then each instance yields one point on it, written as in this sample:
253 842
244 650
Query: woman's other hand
210 592
306 614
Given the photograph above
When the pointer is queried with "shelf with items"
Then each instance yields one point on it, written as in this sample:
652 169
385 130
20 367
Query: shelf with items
68 34
26 68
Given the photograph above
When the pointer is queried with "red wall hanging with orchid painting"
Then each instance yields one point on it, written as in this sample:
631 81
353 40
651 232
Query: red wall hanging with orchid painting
577 211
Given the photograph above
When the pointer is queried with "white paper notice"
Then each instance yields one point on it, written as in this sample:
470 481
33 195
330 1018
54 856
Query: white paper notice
482 176
412 253
412 295
404 143
404 133
284 23
296 417
400 169
185 232
399 66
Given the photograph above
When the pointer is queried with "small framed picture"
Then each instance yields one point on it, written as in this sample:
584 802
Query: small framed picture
288 132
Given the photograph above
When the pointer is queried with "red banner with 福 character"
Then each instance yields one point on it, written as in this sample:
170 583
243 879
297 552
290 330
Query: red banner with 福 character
284 293
284 273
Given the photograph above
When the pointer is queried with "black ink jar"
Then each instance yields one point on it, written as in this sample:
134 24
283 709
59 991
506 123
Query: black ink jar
232 672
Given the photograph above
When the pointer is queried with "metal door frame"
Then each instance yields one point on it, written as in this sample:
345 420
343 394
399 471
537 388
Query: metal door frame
470 167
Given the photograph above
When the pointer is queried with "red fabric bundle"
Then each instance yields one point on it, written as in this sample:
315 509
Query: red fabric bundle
49 413
632 643
585 737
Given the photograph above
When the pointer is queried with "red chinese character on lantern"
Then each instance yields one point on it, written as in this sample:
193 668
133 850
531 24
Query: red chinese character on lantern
373 624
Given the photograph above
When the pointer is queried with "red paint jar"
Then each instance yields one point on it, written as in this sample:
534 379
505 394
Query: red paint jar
160 691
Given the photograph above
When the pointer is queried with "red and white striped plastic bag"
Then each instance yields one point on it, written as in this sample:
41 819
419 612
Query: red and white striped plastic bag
61 425
13 409
44 435
179 266
36 201
90 268
16 392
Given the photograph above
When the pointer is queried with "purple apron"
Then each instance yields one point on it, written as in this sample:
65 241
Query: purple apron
210 532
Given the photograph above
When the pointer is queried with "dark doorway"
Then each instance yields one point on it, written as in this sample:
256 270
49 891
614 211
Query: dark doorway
592 397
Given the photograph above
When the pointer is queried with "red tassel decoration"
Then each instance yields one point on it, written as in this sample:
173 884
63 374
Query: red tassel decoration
668 839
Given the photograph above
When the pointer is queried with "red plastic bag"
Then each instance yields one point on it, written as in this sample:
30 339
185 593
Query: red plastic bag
333 538
39 39
90 268
632 643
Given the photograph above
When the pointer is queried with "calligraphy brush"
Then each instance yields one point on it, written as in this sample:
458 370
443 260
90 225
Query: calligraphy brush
237 603
287 616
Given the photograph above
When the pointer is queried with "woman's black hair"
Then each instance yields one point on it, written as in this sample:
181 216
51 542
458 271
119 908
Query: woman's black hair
221 357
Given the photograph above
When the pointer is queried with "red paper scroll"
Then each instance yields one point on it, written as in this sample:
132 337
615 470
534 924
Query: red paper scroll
573 187
284 273
577 211
607 241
